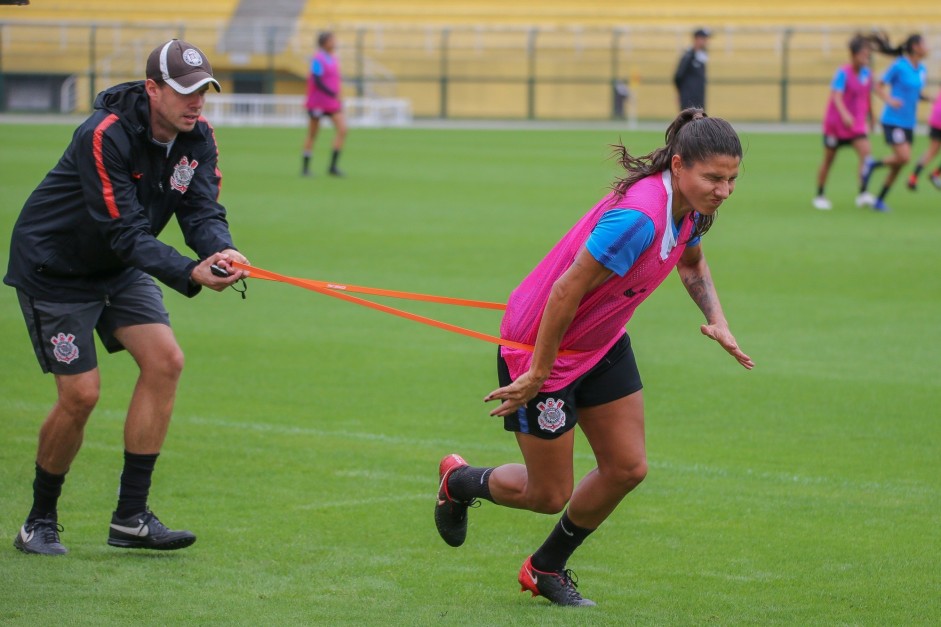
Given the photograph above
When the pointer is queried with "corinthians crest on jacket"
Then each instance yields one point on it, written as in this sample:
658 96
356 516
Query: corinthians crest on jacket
183 174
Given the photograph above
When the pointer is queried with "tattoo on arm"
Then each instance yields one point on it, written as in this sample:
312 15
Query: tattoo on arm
702 291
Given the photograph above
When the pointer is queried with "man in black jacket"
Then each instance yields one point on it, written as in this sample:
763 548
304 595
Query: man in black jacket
83 253
690 76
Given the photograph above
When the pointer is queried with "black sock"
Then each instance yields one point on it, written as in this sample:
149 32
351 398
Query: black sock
334 159
46 490
559 546
135 483
918 168
864 181
820 190
469 483
884 192
306 161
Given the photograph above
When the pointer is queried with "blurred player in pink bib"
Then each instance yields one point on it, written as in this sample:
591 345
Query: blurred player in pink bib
934 135
848 117
323 99
572 308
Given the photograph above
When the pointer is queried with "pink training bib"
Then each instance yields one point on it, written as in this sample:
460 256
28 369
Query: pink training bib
601 316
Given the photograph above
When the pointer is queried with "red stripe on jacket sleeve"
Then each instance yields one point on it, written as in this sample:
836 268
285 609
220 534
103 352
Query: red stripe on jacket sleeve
212 131
107 191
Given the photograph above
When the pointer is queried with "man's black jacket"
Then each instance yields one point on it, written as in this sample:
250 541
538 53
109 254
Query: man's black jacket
92 224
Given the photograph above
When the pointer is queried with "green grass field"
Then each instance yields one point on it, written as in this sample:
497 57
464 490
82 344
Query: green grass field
307 431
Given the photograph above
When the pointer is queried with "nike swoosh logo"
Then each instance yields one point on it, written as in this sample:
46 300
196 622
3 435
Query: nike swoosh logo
441 488
566 531
142 530
27 537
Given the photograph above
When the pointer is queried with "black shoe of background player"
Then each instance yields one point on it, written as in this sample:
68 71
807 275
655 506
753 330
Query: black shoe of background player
40 536
145 531
337 172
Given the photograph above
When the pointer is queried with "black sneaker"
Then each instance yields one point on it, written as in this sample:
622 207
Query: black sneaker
451 514
559 587
40 536
336 172
145 531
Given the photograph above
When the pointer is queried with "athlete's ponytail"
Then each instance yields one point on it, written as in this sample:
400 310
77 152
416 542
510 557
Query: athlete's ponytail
880 41
657 161
695 138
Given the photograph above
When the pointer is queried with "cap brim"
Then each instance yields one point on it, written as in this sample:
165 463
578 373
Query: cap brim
199 79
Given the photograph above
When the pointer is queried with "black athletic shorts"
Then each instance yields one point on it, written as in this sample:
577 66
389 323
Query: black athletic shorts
833 142
934 133
895 135
551 414
316 114
62 333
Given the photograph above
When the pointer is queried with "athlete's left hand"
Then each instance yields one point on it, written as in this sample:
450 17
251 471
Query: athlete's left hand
515 395
722 335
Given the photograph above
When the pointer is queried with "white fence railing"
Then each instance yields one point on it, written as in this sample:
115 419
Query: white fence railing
273 110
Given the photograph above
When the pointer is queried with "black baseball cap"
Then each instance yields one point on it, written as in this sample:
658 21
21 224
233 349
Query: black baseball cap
180 65
702 32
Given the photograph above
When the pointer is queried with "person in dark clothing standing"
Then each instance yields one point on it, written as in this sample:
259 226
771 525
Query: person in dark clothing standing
82 256
690 76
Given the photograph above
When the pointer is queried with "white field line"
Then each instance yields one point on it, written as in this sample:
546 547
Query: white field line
892 489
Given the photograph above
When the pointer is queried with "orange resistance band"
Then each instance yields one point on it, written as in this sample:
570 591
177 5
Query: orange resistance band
341 291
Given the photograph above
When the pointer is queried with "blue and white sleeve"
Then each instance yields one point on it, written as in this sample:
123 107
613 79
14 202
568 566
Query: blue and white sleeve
839 80
889 76
619 238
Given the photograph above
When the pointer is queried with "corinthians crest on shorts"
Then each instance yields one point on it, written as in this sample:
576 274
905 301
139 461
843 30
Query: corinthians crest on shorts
183 174
65 350
551 417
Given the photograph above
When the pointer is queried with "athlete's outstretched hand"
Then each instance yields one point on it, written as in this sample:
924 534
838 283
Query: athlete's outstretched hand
515 395
722 335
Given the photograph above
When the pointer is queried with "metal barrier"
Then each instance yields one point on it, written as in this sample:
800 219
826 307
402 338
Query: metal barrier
273 110
773 74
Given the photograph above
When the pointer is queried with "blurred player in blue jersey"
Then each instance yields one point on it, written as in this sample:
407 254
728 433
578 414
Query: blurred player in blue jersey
905 80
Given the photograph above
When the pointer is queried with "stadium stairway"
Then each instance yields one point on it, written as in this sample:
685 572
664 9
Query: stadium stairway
261 26
167 11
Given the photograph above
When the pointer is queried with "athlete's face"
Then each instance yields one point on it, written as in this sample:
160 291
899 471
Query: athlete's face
862 58
703 185
171 112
